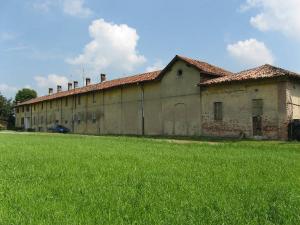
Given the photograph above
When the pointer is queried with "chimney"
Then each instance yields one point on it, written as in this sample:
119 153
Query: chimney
87 81
102 77
59 88
69 86
50 91
75 84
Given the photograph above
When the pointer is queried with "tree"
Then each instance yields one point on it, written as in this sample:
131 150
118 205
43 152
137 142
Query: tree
7 111
25 94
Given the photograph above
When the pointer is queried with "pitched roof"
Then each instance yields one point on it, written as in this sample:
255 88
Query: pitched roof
262 72
140 78
205 67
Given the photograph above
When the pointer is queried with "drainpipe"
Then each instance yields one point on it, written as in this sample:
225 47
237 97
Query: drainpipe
142 108
46 103
73 113
31 116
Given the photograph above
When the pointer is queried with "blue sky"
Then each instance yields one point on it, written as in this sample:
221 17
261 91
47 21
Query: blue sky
48 42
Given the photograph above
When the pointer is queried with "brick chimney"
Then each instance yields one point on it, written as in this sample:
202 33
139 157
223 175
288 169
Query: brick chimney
70 86
59 88
75 84
50 91
87 81
102 77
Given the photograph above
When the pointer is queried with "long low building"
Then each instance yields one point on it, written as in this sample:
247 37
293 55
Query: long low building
187 98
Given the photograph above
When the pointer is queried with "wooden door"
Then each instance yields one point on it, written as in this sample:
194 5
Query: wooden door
257 126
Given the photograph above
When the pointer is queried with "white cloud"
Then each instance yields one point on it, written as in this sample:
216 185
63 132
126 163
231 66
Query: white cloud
52 80
76 8
113 48
16 48
69 7
251 52
276 15
158 65
7 90
6 36
43 5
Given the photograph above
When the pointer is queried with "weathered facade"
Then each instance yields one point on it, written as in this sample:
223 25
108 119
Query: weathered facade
187 98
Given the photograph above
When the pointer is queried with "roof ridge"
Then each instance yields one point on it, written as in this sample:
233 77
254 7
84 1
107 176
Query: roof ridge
225 72
92 87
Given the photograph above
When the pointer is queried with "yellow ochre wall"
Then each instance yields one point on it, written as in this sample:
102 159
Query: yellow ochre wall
173 105
237 109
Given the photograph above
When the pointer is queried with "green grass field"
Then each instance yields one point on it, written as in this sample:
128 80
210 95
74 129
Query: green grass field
65 179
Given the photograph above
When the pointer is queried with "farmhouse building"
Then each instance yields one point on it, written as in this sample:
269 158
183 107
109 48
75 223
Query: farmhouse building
187 98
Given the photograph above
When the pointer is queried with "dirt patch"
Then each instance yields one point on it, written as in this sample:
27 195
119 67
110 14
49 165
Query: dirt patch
188 141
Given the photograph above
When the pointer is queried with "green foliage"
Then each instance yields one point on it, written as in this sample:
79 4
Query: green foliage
25 94
72 179
7 111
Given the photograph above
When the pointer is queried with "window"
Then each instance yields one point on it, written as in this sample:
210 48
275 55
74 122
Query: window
50 104
22 108
179 72
66 101
66 121
27 108
33 107
218 111
42 105
17 110
78 119
257 107
94 118
94 97
78 100
22 121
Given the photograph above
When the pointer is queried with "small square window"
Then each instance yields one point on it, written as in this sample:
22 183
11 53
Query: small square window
179 72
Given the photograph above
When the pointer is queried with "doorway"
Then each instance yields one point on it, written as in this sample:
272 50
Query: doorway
257 126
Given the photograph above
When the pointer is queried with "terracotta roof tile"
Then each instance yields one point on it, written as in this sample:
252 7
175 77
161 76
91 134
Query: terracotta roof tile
265 71
205 67
99 86
145 77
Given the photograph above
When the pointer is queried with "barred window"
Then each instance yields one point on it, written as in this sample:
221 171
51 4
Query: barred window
78 118
257 107
94 118
94 97
218 111
78 100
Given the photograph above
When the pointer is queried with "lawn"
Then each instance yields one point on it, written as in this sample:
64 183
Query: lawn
71 179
